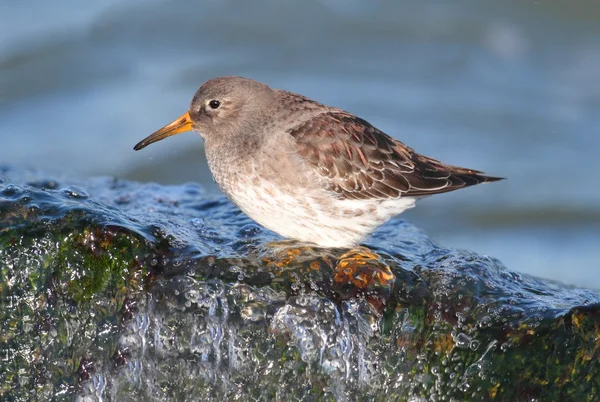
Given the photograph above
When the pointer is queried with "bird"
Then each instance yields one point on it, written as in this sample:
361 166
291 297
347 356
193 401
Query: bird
304 170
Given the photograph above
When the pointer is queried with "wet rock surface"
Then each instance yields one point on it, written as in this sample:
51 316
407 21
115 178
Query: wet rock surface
116 290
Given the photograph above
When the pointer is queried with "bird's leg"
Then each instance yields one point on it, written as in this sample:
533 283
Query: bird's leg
356 272
282 253
359 267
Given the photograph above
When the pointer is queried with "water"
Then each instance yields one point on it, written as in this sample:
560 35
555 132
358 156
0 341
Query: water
508 88
114 290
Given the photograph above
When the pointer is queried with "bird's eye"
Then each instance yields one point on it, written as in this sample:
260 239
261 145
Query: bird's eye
214 104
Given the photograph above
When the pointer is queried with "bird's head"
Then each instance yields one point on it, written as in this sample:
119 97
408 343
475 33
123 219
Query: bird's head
218 109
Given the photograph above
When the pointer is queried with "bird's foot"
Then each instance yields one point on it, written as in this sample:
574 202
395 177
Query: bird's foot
363 269
360 271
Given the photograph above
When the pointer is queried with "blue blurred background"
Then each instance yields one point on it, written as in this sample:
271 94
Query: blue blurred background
511 88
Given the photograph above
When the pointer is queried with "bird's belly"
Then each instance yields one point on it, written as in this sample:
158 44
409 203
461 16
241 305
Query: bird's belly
292 201
311 216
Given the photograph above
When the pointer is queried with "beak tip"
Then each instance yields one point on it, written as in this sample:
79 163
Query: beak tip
184 123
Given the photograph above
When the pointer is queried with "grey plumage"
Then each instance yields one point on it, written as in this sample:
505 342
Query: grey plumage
306 170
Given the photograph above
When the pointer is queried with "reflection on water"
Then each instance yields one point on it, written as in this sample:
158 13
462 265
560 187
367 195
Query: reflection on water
507 88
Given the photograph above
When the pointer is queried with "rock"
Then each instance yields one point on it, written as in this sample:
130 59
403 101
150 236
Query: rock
127 291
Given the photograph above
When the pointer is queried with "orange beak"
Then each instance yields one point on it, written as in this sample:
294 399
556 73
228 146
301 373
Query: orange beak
180 125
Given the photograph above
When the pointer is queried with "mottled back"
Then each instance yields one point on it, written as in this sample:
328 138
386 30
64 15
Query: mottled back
361 162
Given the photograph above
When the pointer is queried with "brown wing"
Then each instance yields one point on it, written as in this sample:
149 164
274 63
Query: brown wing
361 162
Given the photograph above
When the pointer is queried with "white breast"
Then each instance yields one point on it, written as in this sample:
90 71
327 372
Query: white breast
311 217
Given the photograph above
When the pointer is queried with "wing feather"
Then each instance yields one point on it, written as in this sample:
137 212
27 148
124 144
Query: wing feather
358 161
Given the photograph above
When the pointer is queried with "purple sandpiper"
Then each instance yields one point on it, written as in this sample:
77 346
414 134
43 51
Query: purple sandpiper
305 170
